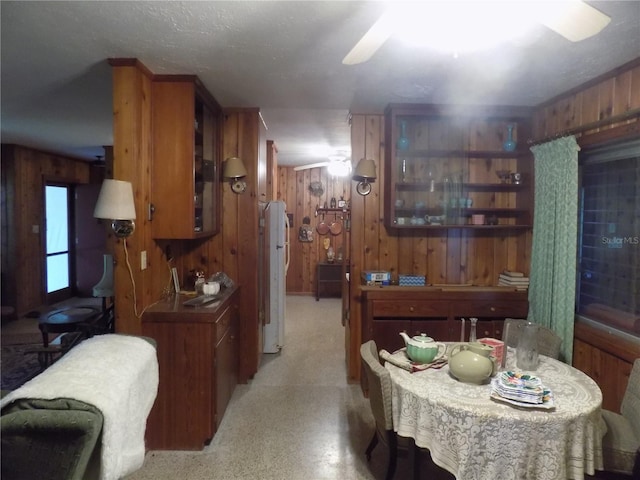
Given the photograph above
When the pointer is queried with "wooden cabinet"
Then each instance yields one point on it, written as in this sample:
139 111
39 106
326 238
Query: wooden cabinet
607 358
186 159
450 168
198 361
437 312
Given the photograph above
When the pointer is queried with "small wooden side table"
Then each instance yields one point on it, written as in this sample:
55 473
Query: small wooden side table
329 279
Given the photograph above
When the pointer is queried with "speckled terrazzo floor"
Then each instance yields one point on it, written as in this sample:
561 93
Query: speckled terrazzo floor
298 419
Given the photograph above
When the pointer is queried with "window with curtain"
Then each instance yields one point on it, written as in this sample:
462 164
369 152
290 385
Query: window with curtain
608 283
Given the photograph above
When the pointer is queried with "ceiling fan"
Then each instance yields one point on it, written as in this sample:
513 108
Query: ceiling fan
338 165
573 19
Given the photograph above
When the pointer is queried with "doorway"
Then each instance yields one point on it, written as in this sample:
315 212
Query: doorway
59 232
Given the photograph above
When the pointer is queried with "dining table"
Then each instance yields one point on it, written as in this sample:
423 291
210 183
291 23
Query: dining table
476 436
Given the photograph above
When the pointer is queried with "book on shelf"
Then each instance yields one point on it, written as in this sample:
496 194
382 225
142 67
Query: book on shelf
513 274
513 280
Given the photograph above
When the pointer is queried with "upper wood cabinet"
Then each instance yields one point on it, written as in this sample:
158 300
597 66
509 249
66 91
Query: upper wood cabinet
450 167
185 188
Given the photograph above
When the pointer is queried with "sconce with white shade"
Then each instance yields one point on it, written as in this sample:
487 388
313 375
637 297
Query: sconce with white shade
234 170
115 203
365 174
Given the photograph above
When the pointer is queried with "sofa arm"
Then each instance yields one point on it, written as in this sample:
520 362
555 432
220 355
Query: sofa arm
52 439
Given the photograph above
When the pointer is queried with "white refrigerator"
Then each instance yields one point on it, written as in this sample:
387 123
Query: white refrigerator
277 251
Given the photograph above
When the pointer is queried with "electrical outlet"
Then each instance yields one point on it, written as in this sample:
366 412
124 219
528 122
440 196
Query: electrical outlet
143 260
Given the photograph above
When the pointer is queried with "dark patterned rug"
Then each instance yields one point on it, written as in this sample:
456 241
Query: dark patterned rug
18 364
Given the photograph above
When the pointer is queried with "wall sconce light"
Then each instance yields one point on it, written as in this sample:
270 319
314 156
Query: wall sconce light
365 174
234 171
115 203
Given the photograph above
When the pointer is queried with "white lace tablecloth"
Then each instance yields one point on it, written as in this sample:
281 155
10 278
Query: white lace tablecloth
475 437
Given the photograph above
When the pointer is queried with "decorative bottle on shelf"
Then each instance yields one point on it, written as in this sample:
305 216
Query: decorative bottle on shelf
509 144
527 347
403 142
333 202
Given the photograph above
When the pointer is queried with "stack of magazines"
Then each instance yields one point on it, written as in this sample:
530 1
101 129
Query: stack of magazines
521 389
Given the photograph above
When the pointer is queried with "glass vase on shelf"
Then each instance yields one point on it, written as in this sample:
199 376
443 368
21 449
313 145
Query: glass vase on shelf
509 144
403 141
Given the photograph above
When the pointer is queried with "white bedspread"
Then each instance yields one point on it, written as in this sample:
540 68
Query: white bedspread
118 374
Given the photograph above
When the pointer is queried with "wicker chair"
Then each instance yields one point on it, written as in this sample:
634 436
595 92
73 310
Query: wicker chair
549 342
379 381
621 444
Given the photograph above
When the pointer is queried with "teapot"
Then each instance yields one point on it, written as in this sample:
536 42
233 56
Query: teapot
470 362
423 349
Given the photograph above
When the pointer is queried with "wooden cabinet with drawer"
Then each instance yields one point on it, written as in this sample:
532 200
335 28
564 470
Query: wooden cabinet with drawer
437 311
198 361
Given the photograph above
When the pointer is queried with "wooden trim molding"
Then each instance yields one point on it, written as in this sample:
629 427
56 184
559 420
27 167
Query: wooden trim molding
607 342
605 134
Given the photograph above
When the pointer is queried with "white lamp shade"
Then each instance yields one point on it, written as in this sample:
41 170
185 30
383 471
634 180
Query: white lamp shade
115 201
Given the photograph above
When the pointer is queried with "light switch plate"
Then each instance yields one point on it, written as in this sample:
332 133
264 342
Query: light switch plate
143 260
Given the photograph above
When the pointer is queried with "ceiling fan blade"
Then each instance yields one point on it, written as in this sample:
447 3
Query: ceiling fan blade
372 40
575 20
310 165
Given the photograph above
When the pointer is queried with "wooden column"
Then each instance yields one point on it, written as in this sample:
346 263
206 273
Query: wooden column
131 162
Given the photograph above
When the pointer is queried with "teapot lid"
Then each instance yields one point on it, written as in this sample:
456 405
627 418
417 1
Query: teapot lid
422 338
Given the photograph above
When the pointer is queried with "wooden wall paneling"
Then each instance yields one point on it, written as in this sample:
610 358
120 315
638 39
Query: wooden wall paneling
28 170
247 127
621 101
272 171
11 223
606 95
132 160
373 140
230 200
590 106
634 96
293 206
358 151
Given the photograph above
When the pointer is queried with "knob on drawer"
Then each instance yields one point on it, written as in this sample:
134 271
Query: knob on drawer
493 309
412 308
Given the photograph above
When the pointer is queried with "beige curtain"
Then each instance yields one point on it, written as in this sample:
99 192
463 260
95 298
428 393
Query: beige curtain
553 256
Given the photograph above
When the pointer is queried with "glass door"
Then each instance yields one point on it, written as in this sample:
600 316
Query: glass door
58 246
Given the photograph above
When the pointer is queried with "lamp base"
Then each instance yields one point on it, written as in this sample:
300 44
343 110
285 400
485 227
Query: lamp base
123 228
239 186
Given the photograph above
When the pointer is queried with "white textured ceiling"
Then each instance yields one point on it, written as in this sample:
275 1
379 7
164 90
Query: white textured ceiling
281 56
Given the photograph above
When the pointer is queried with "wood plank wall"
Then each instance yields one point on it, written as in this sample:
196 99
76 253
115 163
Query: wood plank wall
606 359
24 174
614 93
293 189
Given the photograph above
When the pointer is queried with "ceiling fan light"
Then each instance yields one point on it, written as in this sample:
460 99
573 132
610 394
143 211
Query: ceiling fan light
339 168
439 25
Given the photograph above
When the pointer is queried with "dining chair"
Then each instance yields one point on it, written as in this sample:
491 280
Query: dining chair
549 342
621 443
379 381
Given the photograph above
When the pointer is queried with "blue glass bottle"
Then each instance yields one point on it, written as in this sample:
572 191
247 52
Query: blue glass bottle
509 144
403 142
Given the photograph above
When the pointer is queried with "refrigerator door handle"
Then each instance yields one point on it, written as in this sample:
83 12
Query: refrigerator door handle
287 243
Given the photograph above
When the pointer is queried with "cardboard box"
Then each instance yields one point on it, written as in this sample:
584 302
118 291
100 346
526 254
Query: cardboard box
412 280
498 348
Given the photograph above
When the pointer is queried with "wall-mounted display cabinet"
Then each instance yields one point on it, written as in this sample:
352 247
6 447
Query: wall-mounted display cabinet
457 167
187 122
